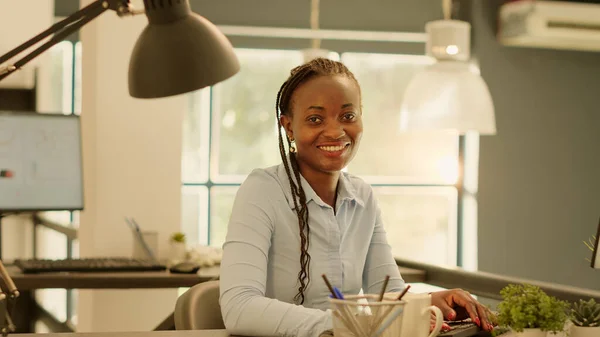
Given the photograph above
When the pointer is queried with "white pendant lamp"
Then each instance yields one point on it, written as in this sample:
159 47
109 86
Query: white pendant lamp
448 95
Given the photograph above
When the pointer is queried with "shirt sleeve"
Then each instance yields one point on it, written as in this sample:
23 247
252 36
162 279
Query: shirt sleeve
244 307
380 260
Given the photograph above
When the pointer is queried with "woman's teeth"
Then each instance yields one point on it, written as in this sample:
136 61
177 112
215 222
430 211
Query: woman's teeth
332 148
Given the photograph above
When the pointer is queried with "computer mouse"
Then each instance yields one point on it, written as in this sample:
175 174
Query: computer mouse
185 267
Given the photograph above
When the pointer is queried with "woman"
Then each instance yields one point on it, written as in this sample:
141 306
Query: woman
305 217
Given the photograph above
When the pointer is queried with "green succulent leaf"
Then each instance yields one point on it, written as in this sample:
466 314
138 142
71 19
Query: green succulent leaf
586 313
590 243
178 237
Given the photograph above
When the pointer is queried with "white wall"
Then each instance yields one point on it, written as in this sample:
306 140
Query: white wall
132 165
539 179
18 23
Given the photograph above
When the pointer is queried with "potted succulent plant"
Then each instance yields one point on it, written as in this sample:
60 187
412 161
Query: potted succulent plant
528 311
585 316
177 243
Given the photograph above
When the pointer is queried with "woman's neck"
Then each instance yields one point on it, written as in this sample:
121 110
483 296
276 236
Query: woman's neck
323 183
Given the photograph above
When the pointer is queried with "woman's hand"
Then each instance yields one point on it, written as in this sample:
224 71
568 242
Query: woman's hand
457 304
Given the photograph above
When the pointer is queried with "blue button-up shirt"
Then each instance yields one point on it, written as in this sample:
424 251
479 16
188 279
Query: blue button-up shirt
261 255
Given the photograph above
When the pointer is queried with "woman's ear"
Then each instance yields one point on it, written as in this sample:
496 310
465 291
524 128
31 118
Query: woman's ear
286 122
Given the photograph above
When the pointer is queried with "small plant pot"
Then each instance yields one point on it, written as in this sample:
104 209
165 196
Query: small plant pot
177 251
584 331
530 333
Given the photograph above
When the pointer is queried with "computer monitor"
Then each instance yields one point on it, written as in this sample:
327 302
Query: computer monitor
596 251
40 162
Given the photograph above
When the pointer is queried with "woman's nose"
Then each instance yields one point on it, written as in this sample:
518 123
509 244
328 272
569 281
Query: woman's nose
335 130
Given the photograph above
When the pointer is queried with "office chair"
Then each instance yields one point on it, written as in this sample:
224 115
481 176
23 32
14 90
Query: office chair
198 308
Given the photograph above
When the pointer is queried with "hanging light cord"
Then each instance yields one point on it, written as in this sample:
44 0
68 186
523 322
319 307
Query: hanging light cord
447 8
314 22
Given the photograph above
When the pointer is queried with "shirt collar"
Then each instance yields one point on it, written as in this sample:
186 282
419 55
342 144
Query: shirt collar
346 190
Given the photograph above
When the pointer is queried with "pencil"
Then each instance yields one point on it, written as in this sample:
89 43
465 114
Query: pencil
385 282
403 292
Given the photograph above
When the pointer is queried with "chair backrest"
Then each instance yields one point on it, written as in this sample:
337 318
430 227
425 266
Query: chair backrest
198 308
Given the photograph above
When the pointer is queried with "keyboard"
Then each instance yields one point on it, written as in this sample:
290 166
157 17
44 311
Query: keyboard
467 328
460 329
111 264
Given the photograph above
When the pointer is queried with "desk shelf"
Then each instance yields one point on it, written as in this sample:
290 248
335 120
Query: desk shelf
112 280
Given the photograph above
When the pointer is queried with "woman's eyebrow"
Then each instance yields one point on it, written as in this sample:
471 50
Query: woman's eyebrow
318 107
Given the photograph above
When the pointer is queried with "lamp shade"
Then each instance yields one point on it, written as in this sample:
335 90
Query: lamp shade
448 95
178 52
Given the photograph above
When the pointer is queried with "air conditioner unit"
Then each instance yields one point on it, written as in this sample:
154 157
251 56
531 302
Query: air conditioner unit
550 24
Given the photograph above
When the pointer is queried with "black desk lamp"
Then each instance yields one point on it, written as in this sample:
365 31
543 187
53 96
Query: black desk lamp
6 301
179 51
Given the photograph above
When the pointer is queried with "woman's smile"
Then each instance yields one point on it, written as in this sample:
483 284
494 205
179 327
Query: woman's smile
334 151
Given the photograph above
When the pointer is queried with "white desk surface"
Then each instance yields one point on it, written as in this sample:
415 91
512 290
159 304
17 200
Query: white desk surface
169 333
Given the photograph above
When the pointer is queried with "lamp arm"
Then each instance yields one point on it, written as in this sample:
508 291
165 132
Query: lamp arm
54 28
8 282
7 325
61 30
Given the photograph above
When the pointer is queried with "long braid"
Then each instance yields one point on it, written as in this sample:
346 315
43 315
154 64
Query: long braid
297 193
298 75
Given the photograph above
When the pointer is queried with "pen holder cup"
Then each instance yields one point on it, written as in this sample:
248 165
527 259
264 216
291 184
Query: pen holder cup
151 239
366 316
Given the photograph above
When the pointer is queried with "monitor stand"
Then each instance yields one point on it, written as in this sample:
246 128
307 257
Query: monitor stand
3 215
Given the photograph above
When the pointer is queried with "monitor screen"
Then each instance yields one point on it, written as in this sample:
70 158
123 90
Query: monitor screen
40 162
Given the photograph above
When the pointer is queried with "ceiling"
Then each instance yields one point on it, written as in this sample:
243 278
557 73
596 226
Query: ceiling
379 15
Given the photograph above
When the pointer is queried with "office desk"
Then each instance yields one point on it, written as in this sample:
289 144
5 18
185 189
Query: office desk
178 333
26 283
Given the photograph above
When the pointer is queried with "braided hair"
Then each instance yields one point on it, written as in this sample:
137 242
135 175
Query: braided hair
314 68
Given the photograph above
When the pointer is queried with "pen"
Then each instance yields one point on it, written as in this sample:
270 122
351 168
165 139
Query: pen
129 224
329 286
136 229
338 293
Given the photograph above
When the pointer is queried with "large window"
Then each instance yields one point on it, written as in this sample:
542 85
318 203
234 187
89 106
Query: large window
231 129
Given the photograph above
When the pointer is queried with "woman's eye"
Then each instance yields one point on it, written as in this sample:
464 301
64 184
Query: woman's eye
314 119
349 116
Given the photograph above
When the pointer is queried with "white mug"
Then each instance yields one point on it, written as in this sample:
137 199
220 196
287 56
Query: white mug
417 316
